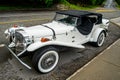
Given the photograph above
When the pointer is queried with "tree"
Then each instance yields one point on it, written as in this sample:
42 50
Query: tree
118 1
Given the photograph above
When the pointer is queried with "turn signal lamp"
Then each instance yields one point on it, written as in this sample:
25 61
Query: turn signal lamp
44 39
15 26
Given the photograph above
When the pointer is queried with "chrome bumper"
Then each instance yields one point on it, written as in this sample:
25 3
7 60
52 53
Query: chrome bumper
27 66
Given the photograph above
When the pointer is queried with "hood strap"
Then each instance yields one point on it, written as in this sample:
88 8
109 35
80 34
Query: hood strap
54 35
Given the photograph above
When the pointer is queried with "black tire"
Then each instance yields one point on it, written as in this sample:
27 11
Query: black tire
100 40
45 59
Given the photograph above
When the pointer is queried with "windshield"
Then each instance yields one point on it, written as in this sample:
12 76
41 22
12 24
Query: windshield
66 19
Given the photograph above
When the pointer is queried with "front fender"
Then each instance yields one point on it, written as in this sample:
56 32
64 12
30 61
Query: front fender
9 31
95 34
38 45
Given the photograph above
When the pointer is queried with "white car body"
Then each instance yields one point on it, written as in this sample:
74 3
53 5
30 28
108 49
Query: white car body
55 33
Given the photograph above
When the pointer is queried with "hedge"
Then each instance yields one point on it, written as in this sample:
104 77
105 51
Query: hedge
49 3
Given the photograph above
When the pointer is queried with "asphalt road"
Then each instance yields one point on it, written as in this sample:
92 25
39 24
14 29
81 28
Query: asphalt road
70 60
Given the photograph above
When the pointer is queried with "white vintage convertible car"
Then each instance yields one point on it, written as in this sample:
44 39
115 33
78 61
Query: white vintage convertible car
69 29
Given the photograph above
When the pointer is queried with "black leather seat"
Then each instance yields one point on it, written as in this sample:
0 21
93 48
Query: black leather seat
85 27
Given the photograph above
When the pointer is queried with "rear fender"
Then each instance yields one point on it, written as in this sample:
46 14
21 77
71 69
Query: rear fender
106 23
38 45
96 33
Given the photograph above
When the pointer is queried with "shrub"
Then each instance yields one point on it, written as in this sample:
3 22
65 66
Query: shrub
86 2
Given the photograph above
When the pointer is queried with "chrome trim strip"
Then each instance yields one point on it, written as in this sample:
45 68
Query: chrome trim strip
54 34
21 52
27 66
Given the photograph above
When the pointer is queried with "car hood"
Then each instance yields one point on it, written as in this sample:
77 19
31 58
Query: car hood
41 31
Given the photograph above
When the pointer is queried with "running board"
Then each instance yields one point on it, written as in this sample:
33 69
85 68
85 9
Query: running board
27 66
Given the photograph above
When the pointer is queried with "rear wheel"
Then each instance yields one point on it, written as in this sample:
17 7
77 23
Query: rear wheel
45 60
100 40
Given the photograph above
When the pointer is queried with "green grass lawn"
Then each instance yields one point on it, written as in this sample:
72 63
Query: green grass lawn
72 6
76 7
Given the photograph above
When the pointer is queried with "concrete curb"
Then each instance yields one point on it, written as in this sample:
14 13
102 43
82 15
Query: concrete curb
116 21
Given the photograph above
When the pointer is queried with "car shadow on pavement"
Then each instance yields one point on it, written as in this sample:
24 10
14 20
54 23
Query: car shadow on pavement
4 54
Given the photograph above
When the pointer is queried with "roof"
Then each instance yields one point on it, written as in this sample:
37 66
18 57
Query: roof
77 13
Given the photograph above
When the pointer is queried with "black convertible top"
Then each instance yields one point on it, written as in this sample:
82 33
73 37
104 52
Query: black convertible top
77 13
85 22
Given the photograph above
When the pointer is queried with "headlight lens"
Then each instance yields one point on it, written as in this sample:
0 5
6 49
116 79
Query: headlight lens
19 38
20 43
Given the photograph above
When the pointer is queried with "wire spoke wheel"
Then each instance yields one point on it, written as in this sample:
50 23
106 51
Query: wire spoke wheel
45 60
101 39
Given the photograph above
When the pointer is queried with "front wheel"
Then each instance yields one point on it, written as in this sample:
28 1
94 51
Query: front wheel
45 60
100 40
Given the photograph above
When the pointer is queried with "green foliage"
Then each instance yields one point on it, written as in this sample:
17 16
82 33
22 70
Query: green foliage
118 1
96 2
49 3
76 7
99 2
93 2
86 2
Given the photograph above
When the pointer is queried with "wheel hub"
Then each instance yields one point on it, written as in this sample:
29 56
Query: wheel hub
48 61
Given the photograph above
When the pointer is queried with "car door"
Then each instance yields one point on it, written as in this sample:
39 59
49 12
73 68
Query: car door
81 32
76 37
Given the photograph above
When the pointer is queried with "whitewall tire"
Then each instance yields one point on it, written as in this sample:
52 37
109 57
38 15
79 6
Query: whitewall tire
100 39
45 60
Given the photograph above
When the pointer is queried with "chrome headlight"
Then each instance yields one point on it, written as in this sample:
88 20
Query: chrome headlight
20 43
19 38
28 40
